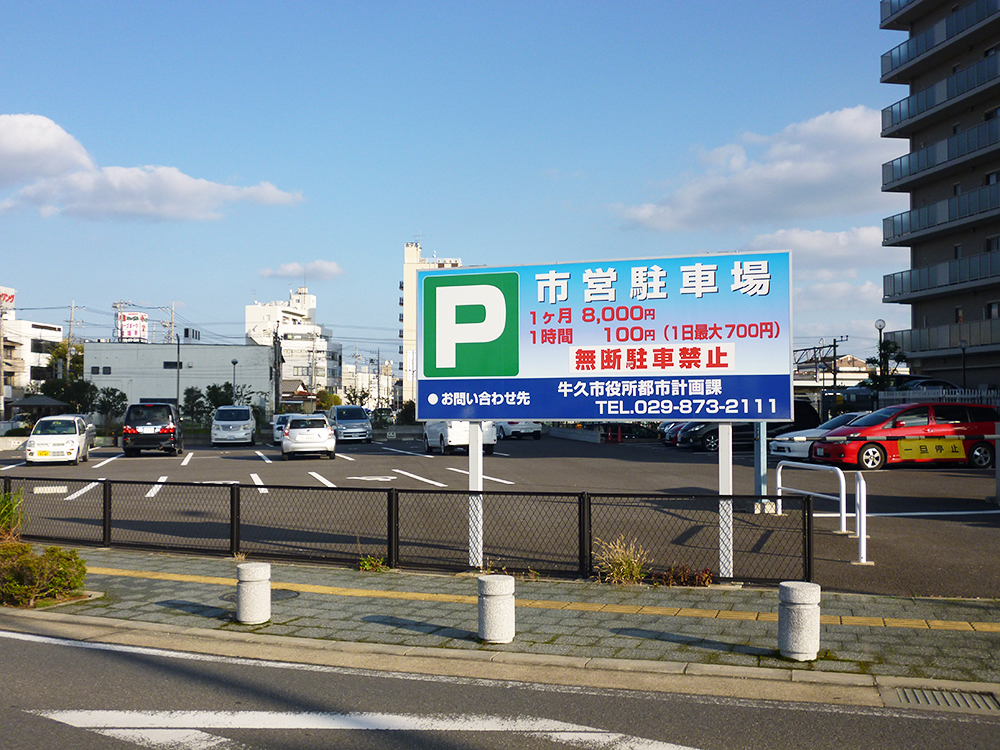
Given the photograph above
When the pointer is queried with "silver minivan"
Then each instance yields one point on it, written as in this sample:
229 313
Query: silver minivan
233 424
351 423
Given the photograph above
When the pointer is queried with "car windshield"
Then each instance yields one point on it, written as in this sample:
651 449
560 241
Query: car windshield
351 412
839 421
159 414
877 417
232 414
55 427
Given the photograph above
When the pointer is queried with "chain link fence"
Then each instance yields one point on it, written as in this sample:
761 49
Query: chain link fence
548 533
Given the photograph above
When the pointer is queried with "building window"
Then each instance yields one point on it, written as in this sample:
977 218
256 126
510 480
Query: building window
40 346
992 244
958 315
170 365
991 178
95 370
992 310
956 189
106 371
958 252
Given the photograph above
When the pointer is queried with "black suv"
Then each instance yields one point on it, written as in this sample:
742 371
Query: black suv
705 435
152 426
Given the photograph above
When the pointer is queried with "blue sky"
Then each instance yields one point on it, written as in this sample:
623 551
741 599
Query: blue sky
209 154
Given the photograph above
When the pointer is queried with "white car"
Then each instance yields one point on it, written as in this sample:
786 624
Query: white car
797 444
91 429
350 422
62 438
308 434
448 434
522 427
233 424
278 427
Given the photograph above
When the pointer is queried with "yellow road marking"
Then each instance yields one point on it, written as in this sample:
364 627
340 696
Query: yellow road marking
878 622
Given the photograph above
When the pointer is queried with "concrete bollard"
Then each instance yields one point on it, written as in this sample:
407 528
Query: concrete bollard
496 609
798 620
253 593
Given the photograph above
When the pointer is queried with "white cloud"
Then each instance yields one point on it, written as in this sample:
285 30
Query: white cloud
318 269
826 166
831 256
58 177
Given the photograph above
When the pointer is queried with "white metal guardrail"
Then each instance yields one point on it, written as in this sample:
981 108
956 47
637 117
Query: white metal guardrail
860 500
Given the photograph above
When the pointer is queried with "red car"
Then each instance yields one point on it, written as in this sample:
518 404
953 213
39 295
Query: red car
914 432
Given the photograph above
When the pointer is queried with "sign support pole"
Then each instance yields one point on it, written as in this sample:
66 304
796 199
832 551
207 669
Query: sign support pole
726 500
475 494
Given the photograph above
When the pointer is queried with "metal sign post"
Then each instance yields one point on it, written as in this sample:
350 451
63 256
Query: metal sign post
726 500
475 494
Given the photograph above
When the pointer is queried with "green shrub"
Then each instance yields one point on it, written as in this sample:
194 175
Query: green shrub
11 515
619 561
25 577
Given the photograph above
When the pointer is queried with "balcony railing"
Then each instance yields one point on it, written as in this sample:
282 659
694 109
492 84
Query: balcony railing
977 333
891 7
950 88
962 19
941 275
964 206
981 137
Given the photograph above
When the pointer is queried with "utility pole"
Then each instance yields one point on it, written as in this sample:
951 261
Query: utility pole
69 338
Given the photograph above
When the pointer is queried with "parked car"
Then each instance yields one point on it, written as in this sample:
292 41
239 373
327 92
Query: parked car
233 425
308 434
278 427
152 426
519 428
797 444
91 430
924 384
448 434
671 432
914 432
61 438
705 435
351 423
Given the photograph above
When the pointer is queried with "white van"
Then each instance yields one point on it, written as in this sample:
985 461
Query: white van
449 434
233 424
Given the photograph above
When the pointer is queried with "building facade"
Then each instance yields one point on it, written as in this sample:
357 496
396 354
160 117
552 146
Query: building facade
162 372
413 262
950 120
308 352
24 355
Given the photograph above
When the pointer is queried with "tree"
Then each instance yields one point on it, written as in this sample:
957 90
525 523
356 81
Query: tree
884 365
57 360
407 413
110 404
324 400
359 396
222 395
195 405
79 394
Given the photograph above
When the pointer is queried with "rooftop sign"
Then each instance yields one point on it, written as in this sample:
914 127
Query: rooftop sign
705 337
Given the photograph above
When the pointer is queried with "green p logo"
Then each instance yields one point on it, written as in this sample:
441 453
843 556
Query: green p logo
470 325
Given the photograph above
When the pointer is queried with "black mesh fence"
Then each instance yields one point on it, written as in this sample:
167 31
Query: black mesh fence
550 533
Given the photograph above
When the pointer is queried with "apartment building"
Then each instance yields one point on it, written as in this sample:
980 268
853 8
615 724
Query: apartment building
949 122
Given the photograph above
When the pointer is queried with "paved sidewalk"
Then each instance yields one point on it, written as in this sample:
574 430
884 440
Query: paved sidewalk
718 630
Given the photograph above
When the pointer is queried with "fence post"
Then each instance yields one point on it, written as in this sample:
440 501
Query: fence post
584 532
106 514
6 485
807 536
392 535
234 519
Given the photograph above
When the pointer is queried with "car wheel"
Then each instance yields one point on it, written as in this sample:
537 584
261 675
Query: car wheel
981 456
427 445
86 455
441 445
871 456
253 440
331 454
285 456
536 436
501 433
711 442
488 449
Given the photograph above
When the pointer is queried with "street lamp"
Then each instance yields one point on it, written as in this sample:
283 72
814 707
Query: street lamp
235 362
880 325
963 344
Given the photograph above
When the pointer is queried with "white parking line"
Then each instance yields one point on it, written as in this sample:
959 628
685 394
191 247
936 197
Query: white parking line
106 461
349 458
187 459
14 466
408 453
419 479
265 458
86 489
260 484
157 487
492 479
321 479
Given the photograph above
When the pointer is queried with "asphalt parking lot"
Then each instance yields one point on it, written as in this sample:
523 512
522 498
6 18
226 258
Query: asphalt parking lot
930 530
